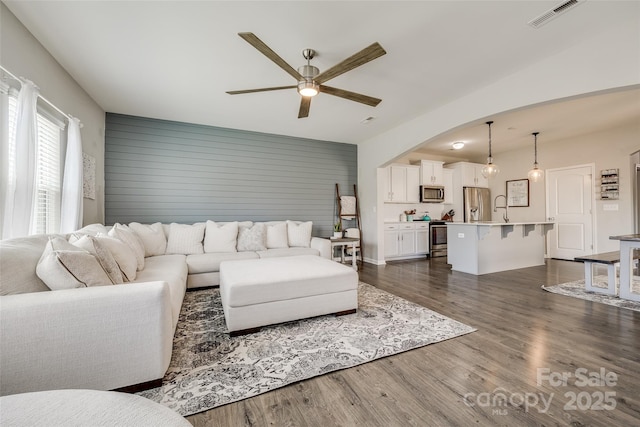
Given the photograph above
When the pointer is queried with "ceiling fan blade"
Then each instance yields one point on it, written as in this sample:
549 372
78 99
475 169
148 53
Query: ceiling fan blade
264 89
365 55
351 96
305 103
254 41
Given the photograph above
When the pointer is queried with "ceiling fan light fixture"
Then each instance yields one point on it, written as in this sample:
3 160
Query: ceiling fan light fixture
458 145
308 88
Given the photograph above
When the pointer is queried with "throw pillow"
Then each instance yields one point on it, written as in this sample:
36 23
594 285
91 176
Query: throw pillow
277 236
103 255
128 237
185 239
299 234
123 255
92 229
64 266
221 238
252 238
152 237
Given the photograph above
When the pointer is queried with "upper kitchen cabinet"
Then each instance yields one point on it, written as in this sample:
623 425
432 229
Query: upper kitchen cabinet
448 185
430 172
402 184
469 174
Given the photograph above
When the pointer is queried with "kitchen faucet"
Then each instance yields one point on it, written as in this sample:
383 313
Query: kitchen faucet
505 216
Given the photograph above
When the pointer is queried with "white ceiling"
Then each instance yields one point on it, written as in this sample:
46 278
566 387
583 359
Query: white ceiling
557 121
174 60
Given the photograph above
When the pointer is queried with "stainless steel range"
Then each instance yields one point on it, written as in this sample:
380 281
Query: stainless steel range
438 238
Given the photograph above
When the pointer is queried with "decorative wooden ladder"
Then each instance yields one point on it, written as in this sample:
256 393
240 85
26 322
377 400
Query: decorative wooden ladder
352 215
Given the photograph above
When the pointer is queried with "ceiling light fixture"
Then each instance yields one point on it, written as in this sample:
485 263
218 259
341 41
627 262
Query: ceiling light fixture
308 87
490 170
457 145
535 174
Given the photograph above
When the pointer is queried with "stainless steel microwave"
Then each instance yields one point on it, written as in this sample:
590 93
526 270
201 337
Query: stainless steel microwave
431 194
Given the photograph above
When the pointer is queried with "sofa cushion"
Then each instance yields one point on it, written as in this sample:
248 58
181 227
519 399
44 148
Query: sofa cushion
185 239
65 266
131 239
220 238
152 237
252 238
102 253
123 255
210 262
18 260
277 235
299 234
276 253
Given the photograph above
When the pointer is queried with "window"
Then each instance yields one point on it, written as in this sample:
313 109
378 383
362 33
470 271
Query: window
46 209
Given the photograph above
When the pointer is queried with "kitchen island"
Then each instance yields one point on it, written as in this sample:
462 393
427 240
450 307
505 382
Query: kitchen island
489 247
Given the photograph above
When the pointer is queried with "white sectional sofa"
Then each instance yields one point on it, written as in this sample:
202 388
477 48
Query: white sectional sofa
120 336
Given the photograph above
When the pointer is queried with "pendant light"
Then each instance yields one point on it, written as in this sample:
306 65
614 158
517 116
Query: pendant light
535 174
490 170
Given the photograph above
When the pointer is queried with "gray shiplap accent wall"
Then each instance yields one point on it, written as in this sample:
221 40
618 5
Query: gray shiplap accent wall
157 170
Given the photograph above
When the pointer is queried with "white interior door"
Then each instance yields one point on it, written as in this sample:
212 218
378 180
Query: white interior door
569 205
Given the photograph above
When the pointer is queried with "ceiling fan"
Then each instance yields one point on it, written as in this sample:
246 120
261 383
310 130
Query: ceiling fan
310 79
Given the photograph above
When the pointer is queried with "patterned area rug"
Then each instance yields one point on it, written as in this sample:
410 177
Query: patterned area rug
576 289
209 369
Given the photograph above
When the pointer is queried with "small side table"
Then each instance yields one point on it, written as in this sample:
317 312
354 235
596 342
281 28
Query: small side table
342 242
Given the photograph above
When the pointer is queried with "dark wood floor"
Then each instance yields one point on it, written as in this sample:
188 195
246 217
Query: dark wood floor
521 330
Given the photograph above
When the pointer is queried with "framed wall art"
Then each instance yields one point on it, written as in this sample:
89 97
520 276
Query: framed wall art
88 176
518 193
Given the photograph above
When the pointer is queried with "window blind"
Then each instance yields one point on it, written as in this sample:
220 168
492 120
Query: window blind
48 177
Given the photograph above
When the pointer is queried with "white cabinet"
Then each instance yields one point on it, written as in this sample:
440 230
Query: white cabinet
407 236
472 175
468 174
431 172
398 183
406 240
422 238
391 241
447 175
402 184
413 185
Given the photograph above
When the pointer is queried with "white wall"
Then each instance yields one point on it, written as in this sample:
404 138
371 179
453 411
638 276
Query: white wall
607 150
606 61
24 56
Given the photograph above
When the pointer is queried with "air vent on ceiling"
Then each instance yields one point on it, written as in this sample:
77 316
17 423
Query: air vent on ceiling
550 14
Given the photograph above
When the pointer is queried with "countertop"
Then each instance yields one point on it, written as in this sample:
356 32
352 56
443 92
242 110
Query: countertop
439 221
501 224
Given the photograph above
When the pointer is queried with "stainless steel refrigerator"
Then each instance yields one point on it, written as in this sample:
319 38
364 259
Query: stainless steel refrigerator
477 204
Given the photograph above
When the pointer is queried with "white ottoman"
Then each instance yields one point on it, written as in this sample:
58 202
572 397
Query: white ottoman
262 292
67 408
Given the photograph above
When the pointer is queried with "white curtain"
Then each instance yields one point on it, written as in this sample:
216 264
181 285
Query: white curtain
20 194
71 206
4 148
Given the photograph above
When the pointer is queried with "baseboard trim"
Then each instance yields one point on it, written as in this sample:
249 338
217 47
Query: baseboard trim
374 261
